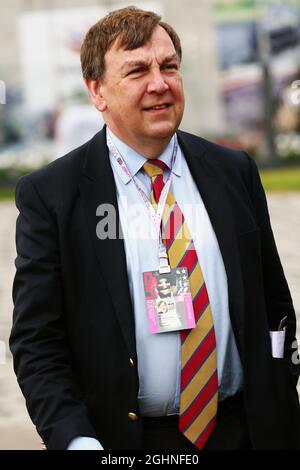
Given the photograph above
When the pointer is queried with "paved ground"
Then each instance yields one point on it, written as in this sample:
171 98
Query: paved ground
16 429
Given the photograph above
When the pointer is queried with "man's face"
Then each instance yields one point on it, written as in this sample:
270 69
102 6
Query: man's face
141 94
164 287
163 283
163 307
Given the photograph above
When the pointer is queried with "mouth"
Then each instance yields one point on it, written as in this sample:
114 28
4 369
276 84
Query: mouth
157 107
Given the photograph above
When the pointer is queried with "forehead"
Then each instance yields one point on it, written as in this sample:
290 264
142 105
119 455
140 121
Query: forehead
158 47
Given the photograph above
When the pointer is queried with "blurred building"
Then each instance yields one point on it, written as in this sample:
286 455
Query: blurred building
259 57
224 43
42 64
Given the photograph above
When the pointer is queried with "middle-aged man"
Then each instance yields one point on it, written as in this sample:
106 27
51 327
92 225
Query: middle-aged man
93 372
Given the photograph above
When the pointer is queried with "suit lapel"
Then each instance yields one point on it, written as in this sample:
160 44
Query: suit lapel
215 197
97 187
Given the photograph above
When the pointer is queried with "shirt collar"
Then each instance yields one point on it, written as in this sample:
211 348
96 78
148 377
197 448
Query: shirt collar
134 160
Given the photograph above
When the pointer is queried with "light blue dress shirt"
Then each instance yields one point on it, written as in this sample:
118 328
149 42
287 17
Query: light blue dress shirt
159 354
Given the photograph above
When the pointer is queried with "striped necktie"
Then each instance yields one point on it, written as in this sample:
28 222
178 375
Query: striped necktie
199 378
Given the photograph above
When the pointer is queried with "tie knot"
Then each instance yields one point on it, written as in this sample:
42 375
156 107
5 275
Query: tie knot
154 167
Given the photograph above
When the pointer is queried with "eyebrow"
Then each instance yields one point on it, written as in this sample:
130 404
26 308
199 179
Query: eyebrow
142 63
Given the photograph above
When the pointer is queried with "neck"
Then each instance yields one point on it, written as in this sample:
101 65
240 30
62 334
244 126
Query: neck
149 150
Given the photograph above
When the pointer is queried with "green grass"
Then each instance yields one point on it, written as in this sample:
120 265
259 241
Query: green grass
281 179
7 194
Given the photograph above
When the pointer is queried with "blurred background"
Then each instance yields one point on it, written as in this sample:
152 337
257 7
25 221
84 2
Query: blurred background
241 69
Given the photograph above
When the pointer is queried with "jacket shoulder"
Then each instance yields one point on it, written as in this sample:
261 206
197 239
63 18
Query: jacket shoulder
235 167
59 178
67 165
217 154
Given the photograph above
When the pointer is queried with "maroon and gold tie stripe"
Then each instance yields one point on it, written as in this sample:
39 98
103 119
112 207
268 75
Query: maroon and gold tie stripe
199 378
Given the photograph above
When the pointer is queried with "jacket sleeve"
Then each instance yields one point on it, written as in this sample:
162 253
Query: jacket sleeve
38 339
277 295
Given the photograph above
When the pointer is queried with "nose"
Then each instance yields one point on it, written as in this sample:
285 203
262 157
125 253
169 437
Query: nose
157 83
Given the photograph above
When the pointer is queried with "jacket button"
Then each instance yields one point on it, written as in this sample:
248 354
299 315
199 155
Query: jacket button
133 416
131 362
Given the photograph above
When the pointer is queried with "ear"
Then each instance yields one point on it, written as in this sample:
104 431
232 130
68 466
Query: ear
95 91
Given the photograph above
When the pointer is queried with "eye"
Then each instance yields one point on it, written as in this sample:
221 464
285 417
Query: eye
171 66
136 71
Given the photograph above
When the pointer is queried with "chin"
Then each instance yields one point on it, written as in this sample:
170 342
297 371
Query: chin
164 131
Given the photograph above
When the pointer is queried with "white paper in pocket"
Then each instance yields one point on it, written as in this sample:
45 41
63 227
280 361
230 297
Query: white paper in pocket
277 342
